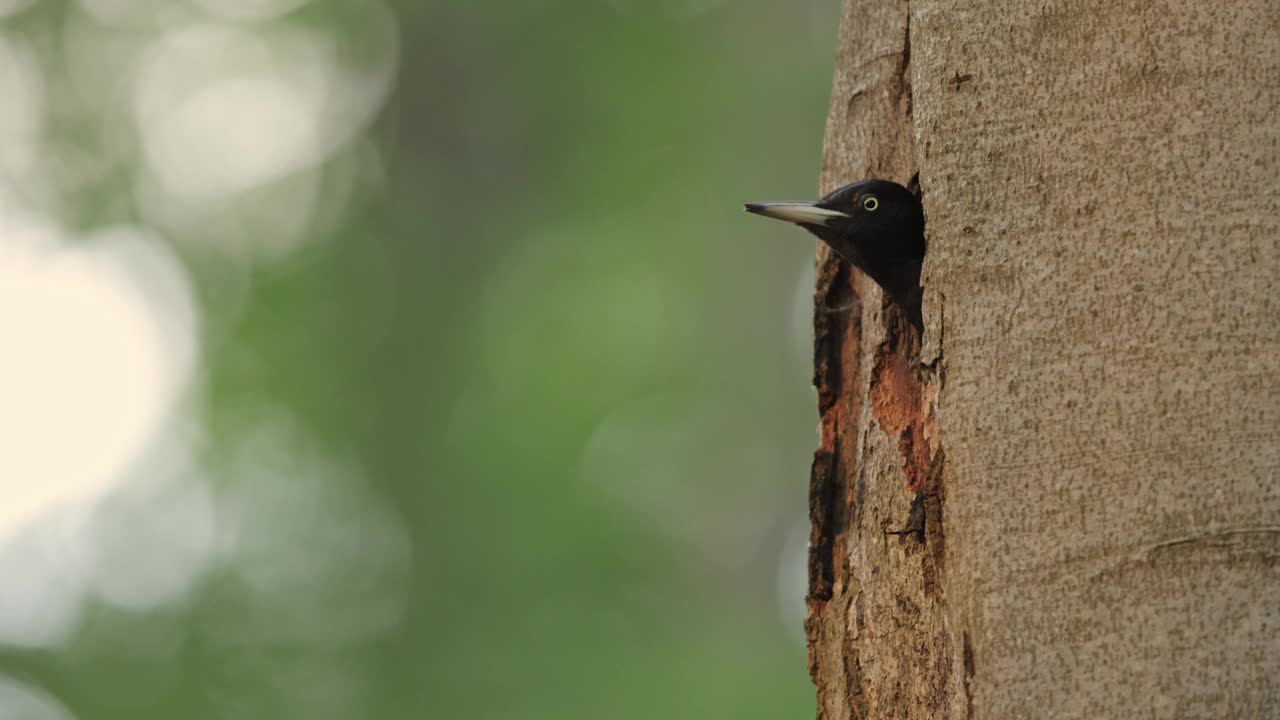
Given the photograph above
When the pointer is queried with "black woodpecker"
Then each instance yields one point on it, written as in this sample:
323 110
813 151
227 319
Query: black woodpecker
875 225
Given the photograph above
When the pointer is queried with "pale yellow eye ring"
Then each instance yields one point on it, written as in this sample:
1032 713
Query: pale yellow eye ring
870 203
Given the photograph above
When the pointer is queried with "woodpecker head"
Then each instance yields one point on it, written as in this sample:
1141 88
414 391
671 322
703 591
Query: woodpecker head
875 225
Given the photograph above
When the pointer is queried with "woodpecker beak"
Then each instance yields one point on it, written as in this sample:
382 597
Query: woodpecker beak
800 213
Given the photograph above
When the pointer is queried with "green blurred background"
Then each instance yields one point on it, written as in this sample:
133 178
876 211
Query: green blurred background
422 361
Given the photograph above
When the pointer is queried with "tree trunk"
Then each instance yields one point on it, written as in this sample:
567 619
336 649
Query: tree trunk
1101 536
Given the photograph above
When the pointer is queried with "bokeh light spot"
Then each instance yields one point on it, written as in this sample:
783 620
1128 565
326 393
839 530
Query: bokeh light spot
21 88
99 342
22 702
298 526
251 9
149 543
41 598
135 13
221 111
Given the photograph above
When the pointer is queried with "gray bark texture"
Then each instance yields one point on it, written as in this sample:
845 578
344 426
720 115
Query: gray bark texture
1065 501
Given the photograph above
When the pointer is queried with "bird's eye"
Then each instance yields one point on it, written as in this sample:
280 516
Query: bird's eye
870 203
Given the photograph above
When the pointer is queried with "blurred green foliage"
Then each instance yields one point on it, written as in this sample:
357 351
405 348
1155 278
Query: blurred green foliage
552 341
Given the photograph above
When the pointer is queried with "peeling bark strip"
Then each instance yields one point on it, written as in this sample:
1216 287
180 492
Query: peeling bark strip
879 642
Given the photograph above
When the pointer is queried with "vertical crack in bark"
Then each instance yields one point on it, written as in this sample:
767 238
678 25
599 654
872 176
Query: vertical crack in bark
824 502
934 497
904 72
969 670
837 327
853 671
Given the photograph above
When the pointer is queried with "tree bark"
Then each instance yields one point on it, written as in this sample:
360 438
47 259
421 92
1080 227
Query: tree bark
1063 503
